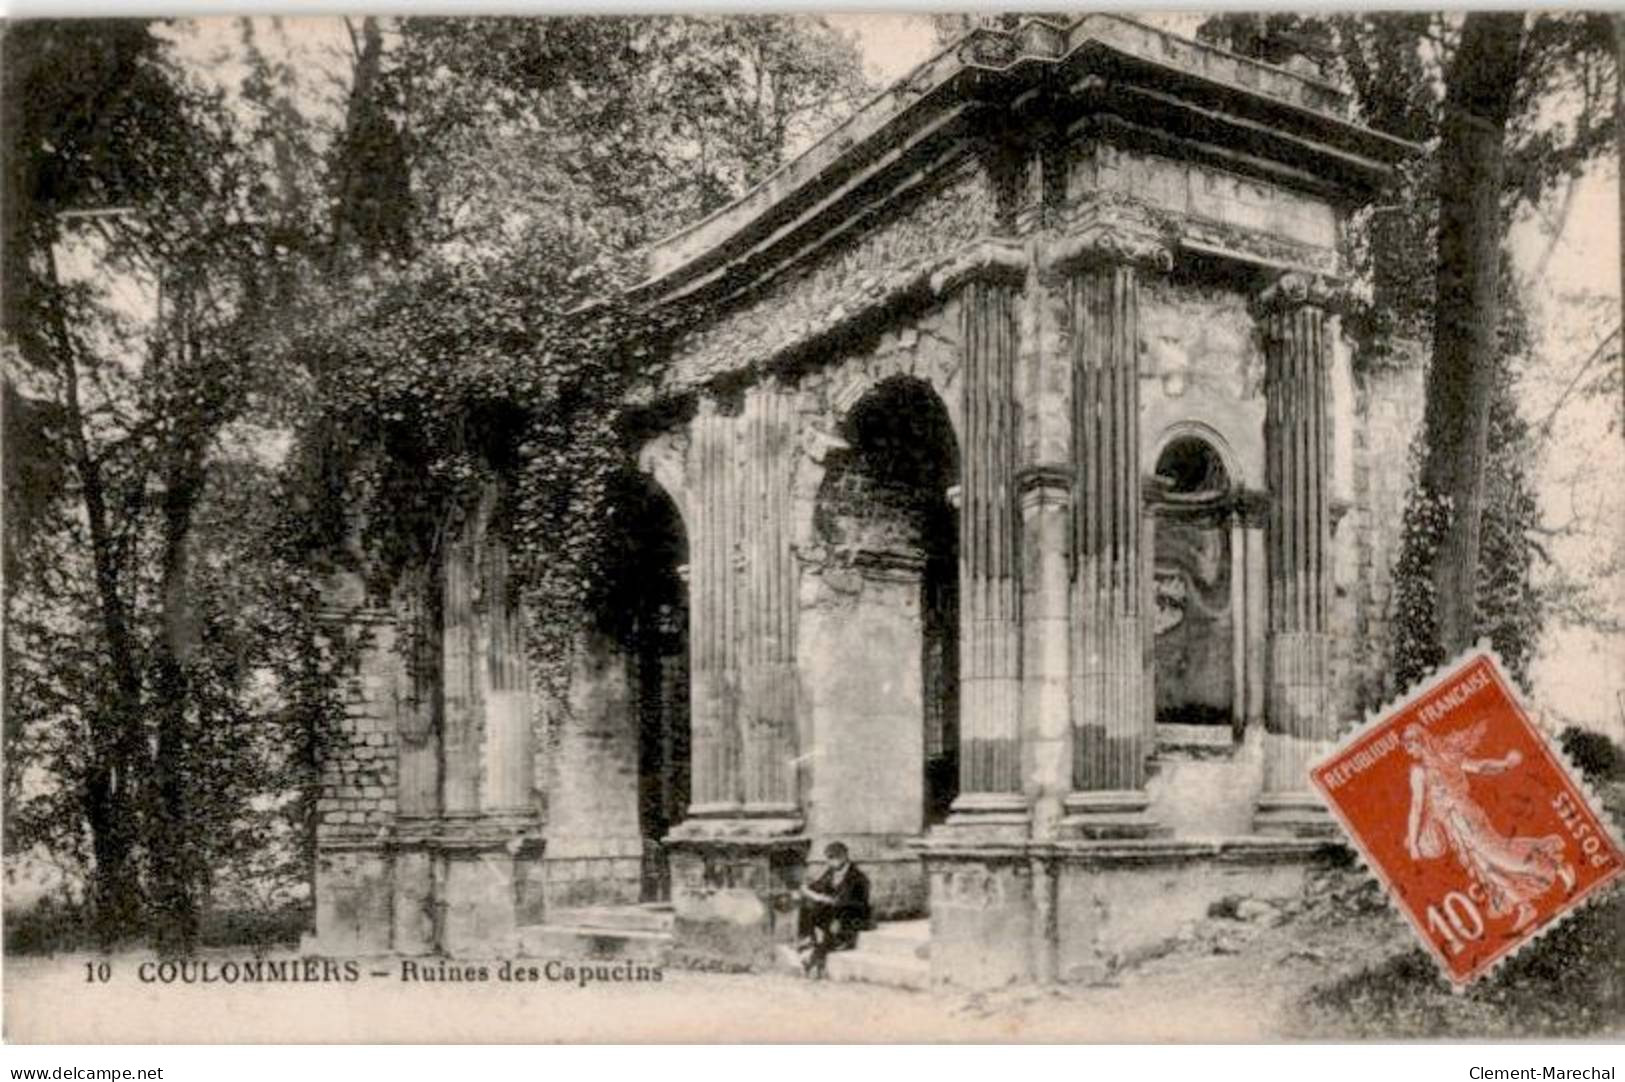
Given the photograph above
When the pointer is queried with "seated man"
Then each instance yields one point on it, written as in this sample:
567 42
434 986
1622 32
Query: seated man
834 908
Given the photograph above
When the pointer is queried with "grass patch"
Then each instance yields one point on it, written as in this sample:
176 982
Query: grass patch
54 926
1569 983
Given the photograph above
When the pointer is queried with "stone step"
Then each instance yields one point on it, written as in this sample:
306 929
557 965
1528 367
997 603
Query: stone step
896 954
621 918
898 939
891 970
584 942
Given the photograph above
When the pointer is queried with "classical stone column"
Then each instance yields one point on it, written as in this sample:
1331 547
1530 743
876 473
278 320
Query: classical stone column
1110 681
463 688
1253 647
508 764
1299 722
989 573
1046 685
768 596
418 715
714 616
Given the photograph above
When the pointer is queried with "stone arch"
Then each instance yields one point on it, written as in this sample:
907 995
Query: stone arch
664 460
1208 434
620 766
888 580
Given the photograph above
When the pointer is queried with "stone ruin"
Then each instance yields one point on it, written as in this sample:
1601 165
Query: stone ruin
1018 516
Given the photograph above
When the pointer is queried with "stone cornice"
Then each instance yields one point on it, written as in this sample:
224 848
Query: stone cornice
1286 122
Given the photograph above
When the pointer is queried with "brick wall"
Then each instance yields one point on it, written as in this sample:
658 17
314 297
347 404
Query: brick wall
359 767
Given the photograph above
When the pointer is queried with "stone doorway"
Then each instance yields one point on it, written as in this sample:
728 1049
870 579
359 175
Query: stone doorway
1194 573
650 598
884 509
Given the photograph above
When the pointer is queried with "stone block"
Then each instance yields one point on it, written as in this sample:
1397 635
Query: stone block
981 916
733 900
479 905
413 902
352 902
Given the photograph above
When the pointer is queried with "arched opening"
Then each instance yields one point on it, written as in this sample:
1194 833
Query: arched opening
647 609
884 508
1193 581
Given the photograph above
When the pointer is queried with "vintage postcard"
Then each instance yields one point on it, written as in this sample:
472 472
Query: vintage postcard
786 527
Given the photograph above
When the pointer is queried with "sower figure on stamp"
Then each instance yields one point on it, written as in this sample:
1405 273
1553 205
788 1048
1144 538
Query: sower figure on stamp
834 909
1443 815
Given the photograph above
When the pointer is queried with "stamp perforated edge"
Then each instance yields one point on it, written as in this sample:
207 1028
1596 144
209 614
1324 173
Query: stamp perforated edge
1560 760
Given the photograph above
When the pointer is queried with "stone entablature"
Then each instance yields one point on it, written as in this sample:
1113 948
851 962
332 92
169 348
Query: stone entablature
1098 56
869 217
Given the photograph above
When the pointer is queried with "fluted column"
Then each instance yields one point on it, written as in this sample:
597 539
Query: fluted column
742 631
1299 723
989 573
714 613
418 724
463 692
1110 694
507 776
768 596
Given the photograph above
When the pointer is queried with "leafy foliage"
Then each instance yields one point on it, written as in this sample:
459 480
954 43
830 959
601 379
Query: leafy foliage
1510 610
442 378
257 333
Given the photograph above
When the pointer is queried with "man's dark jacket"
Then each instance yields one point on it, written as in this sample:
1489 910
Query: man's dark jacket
851 903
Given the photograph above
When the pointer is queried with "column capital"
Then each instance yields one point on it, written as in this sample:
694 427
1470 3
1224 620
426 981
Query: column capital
1044 480
996 259
1110 234
1251 506
1301 289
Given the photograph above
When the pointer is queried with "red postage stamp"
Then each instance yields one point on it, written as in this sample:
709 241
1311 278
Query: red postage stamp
1475 826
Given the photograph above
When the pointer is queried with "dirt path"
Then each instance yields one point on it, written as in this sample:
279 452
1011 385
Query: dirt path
1226 980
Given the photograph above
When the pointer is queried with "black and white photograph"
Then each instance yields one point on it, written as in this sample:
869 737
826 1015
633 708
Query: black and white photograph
767 527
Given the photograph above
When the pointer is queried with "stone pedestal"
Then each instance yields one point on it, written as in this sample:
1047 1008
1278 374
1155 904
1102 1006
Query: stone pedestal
734 891
983 914
352 901
477 903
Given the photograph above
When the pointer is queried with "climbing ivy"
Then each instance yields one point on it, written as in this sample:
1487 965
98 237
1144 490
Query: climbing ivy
439 378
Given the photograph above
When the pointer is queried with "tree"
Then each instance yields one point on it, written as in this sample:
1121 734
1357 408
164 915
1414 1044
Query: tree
1479 94
1549 83
196 271
138 285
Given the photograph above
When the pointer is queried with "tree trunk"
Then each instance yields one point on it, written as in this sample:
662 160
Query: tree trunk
1619 147
176 844
1478 101
116 771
